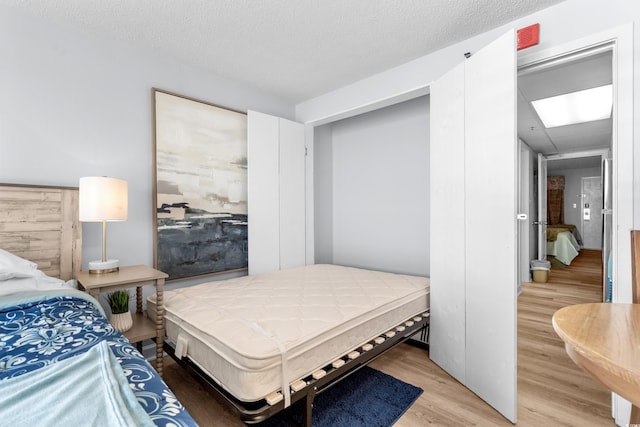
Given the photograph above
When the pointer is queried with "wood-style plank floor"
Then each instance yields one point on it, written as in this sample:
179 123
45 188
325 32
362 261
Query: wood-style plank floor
551 389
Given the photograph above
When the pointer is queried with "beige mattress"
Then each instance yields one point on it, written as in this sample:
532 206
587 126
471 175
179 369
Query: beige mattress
239 331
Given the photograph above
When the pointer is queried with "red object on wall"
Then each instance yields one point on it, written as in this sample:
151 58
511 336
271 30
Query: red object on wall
528 36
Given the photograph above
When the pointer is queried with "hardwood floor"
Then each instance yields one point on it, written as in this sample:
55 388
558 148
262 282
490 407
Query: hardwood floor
551 389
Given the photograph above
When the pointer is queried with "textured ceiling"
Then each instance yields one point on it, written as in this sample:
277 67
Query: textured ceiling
297 49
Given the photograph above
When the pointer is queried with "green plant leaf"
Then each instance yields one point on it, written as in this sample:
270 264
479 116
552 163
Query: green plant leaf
119 301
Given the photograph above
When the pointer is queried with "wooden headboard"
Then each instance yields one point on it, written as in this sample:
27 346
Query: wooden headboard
40 223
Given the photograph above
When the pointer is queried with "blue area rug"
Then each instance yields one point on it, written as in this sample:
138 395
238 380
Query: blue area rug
366 398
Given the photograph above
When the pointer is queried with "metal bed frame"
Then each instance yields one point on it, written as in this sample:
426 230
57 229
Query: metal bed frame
255 412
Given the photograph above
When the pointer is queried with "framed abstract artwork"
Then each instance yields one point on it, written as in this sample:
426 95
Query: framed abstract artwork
200 177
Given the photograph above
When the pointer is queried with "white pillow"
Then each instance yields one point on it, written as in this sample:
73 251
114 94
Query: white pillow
20 275
36 283
12 266
7 259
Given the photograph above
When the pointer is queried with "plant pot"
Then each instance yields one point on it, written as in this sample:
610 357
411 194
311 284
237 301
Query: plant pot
121 322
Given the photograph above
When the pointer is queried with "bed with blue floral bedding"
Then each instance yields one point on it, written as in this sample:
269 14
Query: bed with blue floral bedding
43 331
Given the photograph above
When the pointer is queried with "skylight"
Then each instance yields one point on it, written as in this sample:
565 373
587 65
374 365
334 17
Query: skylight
576 107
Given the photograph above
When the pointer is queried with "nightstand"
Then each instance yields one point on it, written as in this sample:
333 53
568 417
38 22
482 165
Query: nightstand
128 277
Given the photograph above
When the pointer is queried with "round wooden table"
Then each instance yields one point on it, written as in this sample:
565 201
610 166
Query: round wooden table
604 340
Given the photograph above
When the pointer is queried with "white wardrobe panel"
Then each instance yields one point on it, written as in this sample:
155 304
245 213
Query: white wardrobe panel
263 192
276 193
490 223
447 328
292 194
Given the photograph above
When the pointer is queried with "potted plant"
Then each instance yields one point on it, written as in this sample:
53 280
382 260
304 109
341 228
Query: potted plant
120 314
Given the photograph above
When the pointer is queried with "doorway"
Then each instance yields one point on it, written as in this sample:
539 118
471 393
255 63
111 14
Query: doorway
620 42
571 151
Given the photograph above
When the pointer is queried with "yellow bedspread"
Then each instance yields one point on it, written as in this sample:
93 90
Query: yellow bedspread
553 230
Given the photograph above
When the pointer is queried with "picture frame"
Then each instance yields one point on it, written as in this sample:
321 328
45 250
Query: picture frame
200 187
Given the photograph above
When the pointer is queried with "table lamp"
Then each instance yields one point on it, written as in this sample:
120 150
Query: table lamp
103 199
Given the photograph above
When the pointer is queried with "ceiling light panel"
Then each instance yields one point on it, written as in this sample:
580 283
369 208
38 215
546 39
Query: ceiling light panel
576 107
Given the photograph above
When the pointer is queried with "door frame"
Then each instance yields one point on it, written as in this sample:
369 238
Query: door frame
602 153
620 41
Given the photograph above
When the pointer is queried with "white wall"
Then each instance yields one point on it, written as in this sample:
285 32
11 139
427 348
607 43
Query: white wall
380 189
572 192
73 106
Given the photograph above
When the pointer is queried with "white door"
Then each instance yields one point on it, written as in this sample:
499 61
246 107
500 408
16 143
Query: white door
542 208
473 264
447 329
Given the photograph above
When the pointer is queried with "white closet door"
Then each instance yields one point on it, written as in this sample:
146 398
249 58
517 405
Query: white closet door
276 193
491 152
263 192
292 194
447 328
473 276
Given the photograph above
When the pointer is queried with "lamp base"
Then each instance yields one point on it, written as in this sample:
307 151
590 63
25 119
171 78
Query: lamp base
100 267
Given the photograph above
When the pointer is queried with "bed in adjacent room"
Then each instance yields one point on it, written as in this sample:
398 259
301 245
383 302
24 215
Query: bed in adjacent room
562 242
61 362
267 340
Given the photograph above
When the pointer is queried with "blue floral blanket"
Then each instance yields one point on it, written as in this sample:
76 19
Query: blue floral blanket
40 329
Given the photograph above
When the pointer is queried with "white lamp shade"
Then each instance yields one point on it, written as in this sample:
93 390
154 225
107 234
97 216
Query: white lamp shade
103 199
